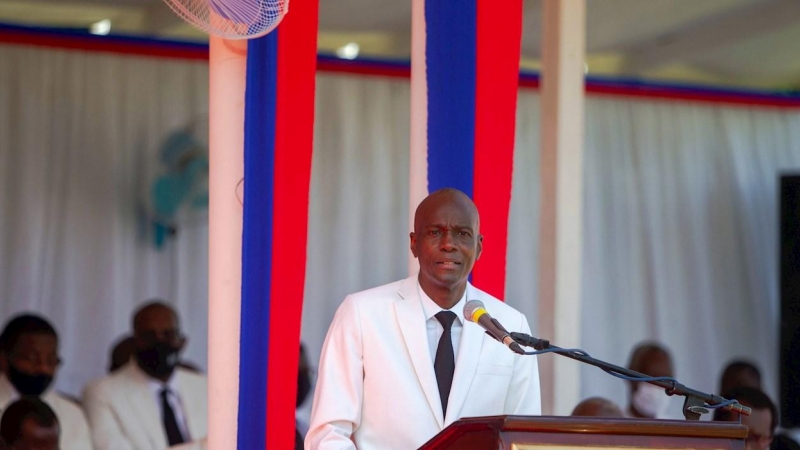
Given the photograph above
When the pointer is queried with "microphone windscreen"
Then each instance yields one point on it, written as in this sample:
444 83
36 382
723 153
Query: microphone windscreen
471 307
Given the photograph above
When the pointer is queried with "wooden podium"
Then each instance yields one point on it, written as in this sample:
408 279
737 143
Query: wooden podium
586 433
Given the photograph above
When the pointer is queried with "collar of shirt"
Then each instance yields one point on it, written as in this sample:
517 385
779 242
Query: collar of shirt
430 308
434 329
157 385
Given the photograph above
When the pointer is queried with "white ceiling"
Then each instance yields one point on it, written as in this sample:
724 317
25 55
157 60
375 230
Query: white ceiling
754 43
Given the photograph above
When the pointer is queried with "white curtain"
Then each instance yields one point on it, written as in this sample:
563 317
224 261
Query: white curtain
681 235
79 139
680 215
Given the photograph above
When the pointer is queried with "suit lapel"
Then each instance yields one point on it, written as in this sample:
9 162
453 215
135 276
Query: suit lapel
411 318
469 350
190 409
143 405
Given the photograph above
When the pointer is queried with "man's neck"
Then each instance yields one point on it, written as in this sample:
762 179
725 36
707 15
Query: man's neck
444 297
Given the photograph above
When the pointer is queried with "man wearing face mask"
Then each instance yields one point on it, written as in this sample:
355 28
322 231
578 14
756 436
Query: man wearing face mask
648 400
150 403
29 362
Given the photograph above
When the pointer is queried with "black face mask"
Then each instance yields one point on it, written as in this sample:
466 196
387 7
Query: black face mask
27 384
158 360
303 386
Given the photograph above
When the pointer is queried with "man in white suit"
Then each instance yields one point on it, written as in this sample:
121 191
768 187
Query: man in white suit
400 363
150 403
29 362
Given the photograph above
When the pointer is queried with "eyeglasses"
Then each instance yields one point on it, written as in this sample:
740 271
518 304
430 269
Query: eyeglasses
162 336
36 359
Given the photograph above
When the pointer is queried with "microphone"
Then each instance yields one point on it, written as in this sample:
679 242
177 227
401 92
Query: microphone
474 311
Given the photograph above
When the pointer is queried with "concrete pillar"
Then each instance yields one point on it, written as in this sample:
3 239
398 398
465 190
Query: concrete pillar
227 68
562 91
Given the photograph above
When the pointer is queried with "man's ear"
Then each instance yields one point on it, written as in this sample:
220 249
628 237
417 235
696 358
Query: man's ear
413 244
480 247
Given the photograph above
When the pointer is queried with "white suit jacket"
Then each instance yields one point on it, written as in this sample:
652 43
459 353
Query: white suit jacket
124 414
377 387
71 421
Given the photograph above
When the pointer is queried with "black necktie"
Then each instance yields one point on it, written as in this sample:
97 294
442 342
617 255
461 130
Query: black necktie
174 435
445 362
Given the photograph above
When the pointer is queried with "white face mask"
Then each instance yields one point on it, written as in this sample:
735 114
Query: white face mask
650 400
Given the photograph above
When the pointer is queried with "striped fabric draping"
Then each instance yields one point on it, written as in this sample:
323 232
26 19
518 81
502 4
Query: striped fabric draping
472 52
279 119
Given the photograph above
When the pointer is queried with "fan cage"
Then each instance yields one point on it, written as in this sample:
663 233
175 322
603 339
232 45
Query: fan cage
232 19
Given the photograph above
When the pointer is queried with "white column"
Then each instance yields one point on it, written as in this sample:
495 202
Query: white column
418 154
562 91
227 69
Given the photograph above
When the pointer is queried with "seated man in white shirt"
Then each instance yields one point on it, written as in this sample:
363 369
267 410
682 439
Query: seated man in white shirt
150 403
29 362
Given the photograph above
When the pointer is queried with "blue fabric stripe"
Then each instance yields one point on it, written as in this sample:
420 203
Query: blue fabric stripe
450 55
259 166
113 38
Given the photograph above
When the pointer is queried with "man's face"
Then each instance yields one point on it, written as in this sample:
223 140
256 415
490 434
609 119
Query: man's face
446 241
158 341
158 325
759 432
37 437
34 354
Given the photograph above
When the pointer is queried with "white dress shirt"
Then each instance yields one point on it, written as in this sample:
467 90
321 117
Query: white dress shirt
75 433
435 328
174 401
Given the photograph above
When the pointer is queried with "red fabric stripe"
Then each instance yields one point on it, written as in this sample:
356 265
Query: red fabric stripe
297 57
97 44
350 67
498 52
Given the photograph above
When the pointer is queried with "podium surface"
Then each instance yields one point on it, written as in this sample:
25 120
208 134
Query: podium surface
589 433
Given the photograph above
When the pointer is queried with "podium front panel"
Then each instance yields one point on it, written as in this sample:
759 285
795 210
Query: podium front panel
561 433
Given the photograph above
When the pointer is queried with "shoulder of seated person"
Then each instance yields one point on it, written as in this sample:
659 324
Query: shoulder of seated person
67 399
190 374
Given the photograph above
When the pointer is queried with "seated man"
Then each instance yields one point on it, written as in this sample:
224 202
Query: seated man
760 424
150 403
648 400
29 363
597 407
29 424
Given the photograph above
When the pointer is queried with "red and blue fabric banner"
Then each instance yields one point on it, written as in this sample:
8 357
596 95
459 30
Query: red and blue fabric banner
472 53
279 122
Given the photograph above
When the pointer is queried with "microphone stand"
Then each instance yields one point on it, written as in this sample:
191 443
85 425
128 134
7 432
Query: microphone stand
693 405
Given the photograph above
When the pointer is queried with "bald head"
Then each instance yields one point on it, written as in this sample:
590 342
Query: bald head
446 197
153 312
597 407
651 359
